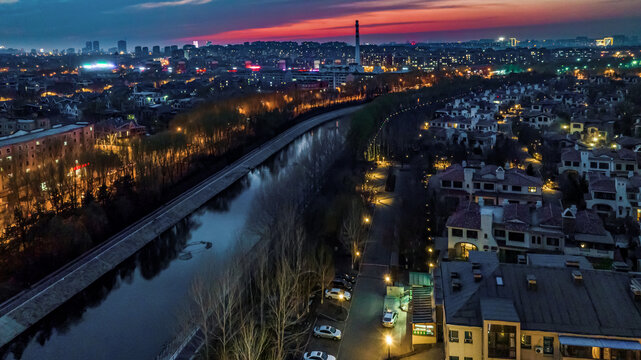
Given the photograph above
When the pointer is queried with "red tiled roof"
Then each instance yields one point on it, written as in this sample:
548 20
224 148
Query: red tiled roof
466 217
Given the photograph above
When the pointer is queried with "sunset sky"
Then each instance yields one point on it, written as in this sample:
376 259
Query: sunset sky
68 23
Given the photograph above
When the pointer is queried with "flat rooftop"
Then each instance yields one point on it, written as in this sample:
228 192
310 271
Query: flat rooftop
37 134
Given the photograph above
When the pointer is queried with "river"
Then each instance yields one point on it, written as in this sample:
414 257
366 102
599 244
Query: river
132 311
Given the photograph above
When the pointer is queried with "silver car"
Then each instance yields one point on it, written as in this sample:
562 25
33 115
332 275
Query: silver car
318 355
338 294
389 318
327 332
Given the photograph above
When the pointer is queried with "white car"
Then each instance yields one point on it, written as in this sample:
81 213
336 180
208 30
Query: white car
327 332
318 355
389 318
338 294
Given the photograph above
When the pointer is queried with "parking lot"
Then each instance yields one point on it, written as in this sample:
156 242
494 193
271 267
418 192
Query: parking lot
364 337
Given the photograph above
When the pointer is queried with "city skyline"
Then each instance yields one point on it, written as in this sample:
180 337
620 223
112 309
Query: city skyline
205 20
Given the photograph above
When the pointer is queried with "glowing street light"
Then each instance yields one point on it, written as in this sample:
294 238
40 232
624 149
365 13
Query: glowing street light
388 279
388 341
366 219
358 253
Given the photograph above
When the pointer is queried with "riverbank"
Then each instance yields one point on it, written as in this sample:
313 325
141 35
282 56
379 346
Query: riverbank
23 311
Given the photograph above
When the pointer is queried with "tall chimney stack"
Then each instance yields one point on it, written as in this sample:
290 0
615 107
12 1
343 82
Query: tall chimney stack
358 47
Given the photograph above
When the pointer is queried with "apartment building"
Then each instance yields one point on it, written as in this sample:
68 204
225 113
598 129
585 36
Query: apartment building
24 151
523 312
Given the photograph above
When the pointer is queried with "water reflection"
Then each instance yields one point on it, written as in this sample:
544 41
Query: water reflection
130 312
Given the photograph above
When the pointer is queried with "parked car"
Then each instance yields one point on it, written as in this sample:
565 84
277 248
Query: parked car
338 294
318 355
347 277
327 332
342 284
389 318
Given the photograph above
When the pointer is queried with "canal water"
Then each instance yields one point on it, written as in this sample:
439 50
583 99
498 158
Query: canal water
132 311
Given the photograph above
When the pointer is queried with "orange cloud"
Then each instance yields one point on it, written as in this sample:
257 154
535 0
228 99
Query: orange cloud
441 15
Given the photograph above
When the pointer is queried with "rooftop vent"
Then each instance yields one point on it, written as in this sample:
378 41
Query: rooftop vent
454 275
577 276
531 282
477 275
476 265
456 284
572 263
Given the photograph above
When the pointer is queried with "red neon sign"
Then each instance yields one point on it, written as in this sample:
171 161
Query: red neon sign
78 167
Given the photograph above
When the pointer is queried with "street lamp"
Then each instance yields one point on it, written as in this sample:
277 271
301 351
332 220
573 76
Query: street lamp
388 340
388 279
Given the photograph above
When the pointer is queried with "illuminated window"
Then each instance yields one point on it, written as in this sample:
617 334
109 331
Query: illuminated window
468 337
453 335
531 189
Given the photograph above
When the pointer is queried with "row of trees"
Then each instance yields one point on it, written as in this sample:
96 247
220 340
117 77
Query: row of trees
256 308
113 188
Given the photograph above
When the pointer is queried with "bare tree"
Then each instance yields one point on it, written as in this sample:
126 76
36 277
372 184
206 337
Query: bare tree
216 296
226 297
201 294
251 341
284 303
352 233
324 263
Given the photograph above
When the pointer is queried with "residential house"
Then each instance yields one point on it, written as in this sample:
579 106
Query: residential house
494 184
608 161
514 229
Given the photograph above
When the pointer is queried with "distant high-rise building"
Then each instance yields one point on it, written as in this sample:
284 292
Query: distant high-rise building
156 50
138 51
195 42
122 46
357 58
167 50
96 46
174 48
606 41
88 46
145 51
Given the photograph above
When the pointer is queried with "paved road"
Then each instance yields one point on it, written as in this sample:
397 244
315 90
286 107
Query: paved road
364 335
26 308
